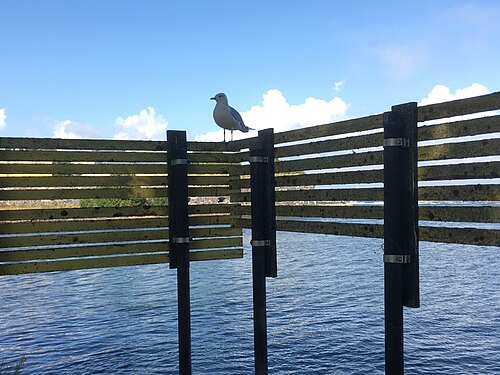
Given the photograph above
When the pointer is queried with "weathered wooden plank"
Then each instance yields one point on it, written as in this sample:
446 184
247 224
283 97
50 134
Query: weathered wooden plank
84 193
78 169
460 193
314 179
83 238
72 181
232 146
338 229
81 213
465 213
30 239
317 179
211 169
215 157
80 144
330 162
483 125
460 171
459 107
99 224
331 145
82 156
115 261
333 195
336 128
485 147
109 248
468 236
107 212
103 181
332 211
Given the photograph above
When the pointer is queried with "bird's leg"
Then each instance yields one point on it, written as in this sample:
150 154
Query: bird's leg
231 134
224 135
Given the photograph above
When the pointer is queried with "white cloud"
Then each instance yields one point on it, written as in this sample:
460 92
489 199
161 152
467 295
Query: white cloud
442 93
275 112
147 125
338 85
72 129
3 118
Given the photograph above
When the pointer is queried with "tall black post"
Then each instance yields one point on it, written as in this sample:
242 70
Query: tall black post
263 238
400 228
179 239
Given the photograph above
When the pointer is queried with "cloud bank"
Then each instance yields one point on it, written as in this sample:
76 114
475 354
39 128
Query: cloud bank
147 125
442 93
275 112
70 129
3 117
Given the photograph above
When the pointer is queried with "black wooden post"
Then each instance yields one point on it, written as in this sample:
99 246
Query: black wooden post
400 228
179 239
263 238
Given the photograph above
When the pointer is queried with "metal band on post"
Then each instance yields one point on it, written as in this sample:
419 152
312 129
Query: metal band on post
396 142
181 239
392 258
260 243
178 161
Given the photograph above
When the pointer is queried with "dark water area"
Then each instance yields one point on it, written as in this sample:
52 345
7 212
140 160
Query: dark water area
325 314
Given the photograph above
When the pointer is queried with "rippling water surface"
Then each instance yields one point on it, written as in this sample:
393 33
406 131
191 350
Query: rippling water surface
325 314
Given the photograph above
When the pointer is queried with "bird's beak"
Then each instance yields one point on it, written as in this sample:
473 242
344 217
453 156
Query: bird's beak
212 98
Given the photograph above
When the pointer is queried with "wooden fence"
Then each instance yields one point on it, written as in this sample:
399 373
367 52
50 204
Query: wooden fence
330 177
75 204
72 204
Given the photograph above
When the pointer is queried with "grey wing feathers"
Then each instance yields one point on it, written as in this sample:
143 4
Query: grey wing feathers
238 118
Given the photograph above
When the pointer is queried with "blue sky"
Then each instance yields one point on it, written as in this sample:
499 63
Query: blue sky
131 69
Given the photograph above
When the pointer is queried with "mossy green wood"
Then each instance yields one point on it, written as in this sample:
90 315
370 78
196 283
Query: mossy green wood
459 107
114 261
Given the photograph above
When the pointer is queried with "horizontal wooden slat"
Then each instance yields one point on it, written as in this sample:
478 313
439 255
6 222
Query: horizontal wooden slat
323 211
468 236
331 145
485 147
104 224
107 249
101 181
116 261
81 144
231 146
465 213
483 125
31 239
227 169
215 157
338 229
460 193
78 169
8 214
83 213
82 156
460 171
330 162
336 128
459 107
374 194
84 193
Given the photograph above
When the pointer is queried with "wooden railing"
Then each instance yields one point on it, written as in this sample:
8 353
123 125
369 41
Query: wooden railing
330 177
72 204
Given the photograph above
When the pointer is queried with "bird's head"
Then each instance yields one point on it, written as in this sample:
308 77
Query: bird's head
220 98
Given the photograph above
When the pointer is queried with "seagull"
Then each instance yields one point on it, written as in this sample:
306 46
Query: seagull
227 117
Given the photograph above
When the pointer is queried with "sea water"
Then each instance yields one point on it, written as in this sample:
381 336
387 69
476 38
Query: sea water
325 314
